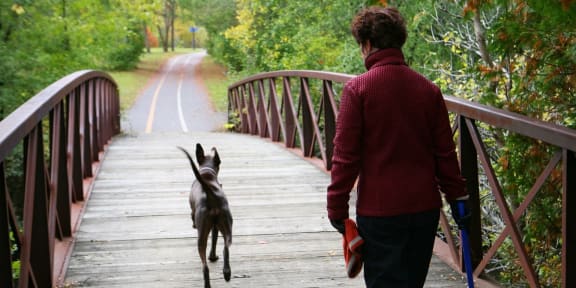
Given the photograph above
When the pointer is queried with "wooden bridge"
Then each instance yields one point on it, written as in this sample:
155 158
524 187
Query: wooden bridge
136 231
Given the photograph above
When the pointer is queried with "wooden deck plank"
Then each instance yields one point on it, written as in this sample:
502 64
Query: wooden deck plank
136 230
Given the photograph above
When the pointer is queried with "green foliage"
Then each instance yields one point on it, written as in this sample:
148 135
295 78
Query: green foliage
16 263
126 55
41 41
278 35
215 17
518 161
8 68
232 58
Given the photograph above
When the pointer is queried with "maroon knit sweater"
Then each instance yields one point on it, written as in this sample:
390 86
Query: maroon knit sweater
394 135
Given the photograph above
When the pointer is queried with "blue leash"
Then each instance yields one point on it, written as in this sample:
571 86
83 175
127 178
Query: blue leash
466 250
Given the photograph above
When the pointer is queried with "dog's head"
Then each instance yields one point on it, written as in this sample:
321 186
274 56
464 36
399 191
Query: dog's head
208 161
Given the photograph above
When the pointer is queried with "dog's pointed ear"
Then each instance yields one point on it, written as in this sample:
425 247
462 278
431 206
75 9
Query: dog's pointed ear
216 156
200 153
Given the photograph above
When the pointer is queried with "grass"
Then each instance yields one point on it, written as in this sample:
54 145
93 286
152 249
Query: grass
212 74
216 82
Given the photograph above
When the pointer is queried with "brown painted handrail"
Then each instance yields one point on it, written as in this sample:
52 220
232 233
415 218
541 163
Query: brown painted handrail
61 131
297 118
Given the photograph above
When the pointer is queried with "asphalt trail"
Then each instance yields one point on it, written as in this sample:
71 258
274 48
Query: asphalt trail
174 102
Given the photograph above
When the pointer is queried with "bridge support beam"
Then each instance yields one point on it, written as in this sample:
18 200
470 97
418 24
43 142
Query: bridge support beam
469 167
5 251
569 220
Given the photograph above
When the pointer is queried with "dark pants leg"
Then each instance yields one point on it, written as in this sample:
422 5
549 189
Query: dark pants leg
397 249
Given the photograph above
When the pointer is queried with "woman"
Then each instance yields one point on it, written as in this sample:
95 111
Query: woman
392 132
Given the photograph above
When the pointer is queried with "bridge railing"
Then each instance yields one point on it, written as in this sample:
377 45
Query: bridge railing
53 141
299 108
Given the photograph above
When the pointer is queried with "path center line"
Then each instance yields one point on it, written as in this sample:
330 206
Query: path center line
154 101
179 97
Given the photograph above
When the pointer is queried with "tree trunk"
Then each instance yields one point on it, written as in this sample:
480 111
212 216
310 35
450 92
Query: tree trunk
173 16
166 25
162 38
146 40
166 37
66 38
481 39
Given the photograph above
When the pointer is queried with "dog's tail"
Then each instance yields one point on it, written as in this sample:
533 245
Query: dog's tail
195 170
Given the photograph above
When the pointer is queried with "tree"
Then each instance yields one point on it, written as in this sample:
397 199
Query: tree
44 40
166 32
279 34
215 17
144 11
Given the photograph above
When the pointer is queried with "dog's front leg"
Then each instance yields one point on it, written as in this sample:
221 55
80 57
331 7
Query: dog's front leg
213 257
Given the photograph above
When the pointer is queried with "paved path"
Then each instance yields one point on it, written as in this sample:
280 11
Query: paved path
174 102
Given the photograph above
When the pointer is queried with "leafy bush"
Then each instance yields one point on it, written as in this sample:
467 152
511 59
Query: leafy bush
126 55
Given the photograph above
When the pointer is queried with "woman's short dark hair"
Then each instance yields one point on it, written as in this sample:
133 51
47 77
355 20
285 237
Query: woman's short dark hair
383 27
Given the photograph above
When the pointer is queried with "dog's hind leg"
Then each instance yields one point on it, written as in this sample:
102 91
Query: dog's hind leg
202 241
204 225
226 271
225 226
213 257
193 219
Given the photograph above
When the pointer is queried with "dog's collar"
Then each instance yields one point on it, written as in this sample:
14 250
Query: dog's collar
209 170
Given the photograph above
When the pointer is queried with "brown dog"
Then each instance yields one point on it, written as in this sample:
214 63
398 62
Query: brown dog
210 211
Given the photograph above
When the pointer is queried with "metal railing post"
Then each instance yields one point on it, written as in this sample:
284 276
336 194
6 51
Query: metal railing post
469 168
568 220
5 247
330 111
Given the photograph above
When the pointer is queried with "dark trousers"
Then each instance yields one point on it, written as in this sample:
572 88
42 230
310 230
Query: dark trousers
397 249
